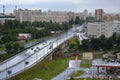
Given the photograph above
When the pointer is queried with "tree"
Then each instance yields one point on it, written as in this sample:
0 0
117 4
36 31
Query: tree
95 43
86 44
16 47
118 40
1 42
71 22
114 36
77 20
13 48
9 47
6 38
110 43
74 43
90 19
71 78
103 41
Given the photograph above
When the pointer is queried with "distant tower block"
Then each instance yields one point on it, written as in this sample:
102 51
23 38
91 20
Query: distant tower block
3 9
15 7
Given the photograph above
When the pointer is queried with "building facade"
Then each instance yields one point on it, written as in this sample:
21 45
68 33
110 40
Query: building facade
95 30
54 16
51 16
99 15
116 27
5 18
38 15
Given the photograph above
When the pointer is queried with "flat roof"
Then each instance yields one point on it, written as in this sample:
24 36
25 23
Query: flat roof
106 64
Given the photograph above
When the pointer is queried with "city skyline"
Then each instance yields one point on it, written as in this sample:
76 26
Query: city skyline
62 5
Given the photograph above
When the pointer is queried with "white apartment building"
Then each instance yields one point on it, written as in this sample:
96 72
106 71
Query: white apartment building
25 15
48 18
38 15
4 18
51 16
95 30
55 16
116 27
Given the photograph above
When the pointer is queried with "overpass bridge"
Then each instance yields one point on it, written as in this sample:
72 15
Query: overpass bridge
33 55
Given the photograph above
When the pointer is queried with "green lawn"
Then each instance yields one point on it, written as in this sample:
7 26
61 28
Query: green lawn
45 70
85 65
77 73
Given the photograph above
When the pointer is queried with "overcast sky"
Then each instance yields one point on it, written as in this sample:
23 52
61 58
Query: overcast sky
109 6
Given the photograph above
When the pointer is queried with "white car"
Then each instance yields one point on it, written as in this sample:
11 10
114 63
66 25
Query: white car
29 52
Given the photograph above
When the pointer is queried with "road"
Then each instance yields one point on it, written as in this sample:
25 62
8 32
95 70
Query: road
31 56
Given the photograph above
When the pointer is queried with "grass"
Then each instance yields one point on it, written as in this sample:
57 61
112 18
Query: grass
95 79
45 70
77 73
2 47
97 56
85 65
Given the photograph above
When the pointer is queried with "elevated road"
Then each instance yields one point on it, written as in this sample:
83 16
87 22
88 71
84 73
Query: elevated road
31 56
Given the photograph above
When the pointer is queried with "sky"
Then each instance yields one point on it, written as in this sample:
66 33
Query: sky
109 6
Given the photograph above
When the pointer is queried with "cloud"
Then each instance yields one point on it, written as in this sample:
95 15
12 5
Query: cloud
13 2
74 5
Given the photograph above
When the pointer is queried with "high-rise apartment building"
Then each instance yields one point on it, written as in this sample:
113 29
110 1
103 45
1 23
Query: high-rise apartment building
85 13
95 30
99 15
38 15
25 15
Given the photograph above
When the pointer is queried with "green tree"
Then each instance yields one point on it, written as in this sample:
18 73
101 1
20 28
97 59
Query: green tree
110 43
6 38
9 48
90 19
86 44
16 47
77 20
1 42
74 43
71 78
103 42
71 22
95 43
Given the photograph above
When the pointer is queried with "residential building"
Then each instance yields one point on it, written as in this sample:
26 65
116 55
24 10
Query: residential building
54 16
116 27
38 15
4 18
23 15
99 15
95 30
85 13
51 16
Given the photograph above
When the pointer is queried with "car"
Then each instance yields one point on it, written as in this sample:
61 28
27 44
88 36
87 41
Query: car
35 50
51 46
112 60
38 48
45 41
28 52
